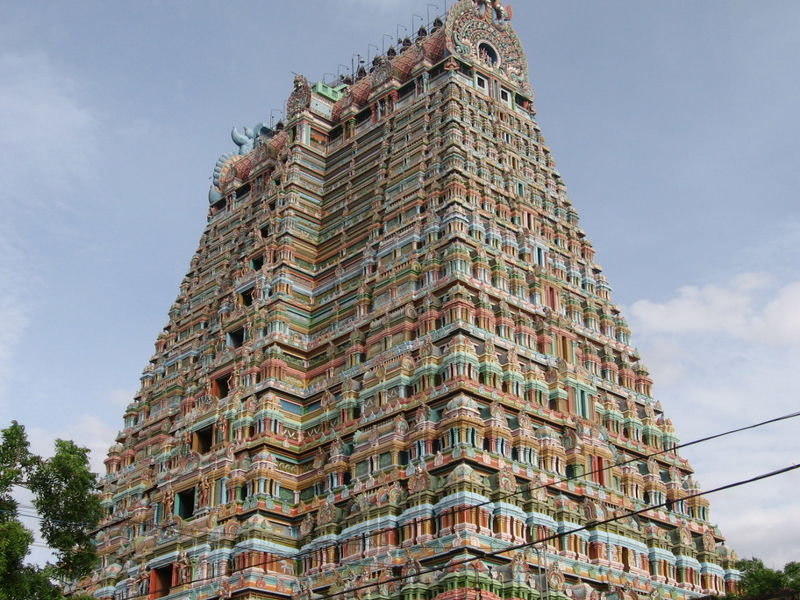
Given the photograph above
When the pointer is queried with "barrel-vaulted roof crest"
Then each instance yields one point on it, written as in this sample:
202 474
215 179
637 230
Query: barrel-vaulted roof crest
480 30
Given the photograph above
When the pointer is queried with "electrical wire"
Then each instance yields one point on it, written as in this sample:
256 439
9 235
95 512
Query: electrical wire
455 510
555 536
591 525
528 488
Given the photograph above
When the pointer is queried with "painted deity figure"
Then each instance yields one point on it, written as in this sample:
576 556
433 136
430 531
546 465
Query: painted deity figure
142 582
169 501
525 422
184 569
519 567
205 491
423 413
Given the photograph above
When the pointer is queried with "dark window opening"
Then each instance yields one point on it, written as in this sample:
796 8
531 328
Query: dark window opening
406 90
403 457
221 386
257 262
243 191
247 297
236 337
162 581
487 53
185 503
264 231
437 70
363 116
203 439
218 206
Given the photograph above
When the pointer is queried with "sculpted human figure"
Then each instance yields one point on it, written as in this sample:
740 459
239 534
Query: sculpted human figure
169 501
143 582
184 568
205 491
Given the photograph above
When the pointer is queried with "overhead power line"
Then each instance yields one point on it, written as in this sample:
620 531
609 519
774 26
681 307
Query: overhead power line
555 536
528 488
309 552
591 525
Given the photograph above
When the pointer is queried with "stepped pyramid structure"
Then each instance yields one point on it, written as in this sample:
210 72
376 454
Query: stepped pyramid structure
394 352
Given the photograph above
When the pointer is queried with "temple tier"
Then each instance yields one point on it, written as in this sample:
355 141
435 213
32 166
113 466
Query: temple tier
394 352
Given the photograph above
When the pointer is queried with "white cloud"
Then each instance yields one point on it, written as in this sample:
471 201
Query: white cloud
780 319
725 355
48 144
749 307
119 399
47 136
709 308
13 321
15 282
87 431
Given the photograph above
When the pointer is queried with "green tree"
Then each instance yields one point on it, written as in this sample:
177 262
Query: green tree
757 578
792 572
63 494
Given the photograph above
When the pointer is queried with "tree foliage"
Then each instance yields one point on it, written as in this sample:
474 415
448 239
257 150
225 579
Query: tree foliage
63 494
759 579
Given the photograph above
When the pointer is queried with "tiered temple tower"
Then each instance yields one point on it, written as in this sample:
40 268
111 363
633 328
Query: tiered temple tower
394 351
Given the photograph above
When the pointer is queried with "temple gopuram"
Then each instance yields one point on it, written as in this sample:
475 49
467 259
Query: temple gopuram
394 369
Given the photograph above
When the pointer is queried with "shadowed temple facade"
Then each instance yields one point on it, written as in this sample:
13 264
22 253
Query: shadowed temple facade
392 358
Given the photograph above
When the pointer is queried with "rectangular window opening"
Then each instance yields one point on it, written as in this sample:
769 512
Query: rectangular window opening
247 297
221 386
236 337
218 206
203 440
161 582
185 503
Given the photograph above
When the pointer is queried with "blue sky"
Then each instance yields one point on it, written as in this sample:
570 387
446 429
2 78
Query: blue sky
675 126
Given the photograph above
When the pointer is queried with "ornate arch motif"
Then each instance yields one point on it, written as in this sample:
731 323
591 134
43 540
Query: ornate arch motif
506 480
555 578
479 30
